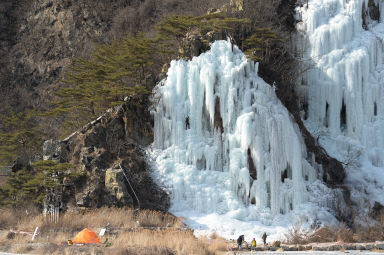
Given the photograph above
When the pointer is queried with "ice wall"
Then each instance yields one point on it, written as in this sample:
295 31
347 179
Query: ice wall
344 88
225 146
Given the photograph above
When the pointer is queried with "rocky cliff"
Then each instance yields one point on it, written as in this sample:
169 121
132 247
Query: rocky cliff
39 38
115 138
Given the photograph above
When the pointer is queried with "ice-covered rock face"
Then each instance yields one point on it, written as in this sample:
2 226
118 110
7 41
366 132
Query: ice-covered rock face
226 146
344 87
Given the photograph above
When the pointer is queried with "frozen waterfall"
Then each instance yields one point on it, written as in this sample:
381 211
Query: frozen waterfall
344 88
227 150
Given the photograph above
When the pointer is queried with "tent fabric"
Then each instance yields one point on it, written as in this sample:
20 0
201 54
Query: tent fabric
86 236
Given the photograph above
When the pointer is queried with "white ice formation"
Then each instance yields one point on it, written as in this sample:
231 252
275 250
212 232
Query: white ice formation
228 151
344 88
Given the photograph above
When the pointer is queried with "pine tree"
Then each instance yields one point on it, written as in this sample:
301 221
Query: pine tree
20 134
177 26
32 184
171 30
96 83
259 45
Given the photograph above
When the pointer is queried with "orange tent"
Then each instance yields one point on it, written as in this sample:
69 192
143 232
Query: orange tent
86 236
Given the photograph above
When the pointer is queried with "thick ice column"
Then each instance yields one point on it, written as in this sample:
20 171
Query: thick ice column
345 86
225 142
276 155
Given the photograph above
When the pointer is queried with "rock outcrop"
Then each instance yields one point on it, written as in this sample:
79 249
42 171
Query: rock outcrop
39 38
117 137
370 13
377 211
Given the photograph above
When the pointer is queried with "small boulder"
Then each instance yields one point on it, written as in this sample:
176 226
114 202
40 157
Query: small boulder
115 185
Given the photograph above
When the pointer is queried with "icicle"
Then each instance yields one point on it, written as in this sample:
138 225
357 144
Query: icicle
234 120
346 87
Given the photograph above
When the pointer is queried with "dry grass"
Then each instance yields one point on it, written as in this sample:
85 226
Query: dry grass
369 232
180 242
215 243
14 218
111 217
153 241
322 235
126 236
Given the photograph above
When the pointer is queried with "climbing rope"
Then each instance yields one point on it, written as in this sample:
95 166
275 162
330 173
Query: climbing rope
138 202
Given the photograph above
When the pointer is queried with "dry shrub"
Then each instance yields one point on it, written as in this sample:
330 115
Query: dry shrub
296 235
214 235
321 235
7 219
332 234
369 232
11 218
148 218
215 243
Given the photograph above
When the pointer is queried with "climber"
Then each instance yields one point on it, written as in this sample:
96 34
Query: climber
240 240
253 245
187 126
264 237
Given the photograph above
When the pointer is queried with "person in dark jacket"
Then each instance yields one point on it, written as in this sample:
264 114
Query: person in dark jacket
240 240
264 237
